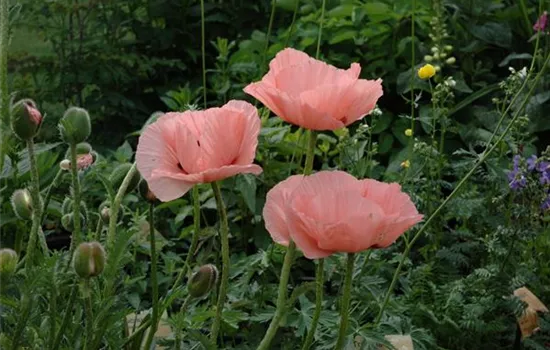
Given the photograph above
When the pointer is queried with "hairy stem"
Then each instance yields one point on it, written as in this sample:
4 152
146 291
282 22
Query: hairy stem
36 205
66 318
224 237
319 281
154 282
76 235
344 309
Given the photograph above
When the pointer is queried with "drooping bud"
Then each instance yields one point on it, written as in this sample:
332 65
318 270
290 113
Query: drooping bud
105 211
22 204
202 281
118 175
8 262
67 221
25 119
75 126
146 193
89 259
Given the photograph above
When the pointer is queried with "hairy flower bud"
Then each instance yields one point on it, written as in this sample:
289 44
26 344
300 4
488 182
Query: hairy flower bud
146 193
25 119
65 164
67 221
75 126
202 281
89 259
8 262
118 175
22 204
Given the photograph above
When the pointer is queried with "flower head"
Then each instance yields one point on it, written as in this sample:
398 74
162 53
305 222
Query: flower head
332 211
314 95
426 72
540 24
180 150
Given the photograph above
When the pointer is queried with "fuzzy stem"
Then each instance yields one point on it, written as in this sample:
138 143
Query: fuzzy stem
113 218
291 30
49 194
480 161
413 59
321 23
76 235
224 236
289 258
319 281
37 208
203 51
154 282
4 96
86 294
344 311
26 303
66 318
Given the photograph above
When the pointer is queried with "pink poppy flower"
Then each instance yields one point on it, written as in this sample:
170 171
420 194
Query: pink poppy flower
314 95
332 211
180 150
541 23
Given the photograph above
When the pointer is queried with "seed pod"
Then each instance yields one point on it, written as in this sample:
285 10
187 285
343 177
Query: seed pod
22 204
89 259
75 126
118 175
8 262
25 119
202 281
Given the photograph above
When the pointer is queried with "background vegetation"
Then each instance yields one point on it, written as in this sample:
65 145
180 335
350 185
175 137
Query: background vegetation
125 60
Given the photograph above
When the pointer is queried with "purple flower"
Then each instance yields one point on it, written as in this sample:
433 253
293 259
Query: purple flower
517 160
543 166
545 204
517 180
531 162
541 23
545 178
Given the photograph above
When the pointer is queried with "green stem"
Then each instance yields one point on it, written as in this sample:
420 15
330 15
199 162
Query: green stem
224 237
76 235
142 327
289 258
489 149
344 310
179 331
291 29
154 282
53 312
37 207
203 51
86 294
49 194
66 318
113 218
98 228
4 96
268 35
413 75
26 302
321 23
319 281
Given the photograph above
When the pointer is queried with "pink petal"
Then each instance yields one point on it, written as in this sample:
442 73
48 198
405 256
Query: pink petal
303 231
252 125
284 106
395 227
389 197
167 189
226 171
325 183
274 210
362 99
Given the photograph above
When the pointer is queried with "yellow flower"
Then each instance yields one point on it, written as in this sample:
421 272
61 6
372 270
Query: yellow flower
426 72
409 132
406 164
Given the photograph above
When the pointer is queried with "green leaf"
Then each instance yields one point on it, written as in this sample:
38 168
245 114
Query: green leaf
246 184
515 56
493 33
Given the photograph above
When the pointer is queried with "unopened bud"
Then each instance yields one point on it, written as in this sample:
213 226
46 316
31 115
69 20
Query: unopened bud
75 126
105 215
118 175
25 119
65 164
406 164
67 221
202 281
408 132
8 262
450 60
83 148
428 58
145 192
22 204
89 259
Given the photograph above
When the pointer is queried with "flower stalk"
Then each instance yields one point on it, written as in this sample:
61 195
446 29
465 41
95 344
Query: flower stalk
76 234
154 280
346 297
37 207
224 237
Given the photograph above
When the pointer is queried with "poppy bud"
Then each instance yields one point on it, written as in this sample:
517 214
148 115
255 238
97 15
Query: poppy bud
65 164
83 148
75 126
22 204
202 281
67 221
118 175
89 259
68 206
105 211
8 262
145 192
25 119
